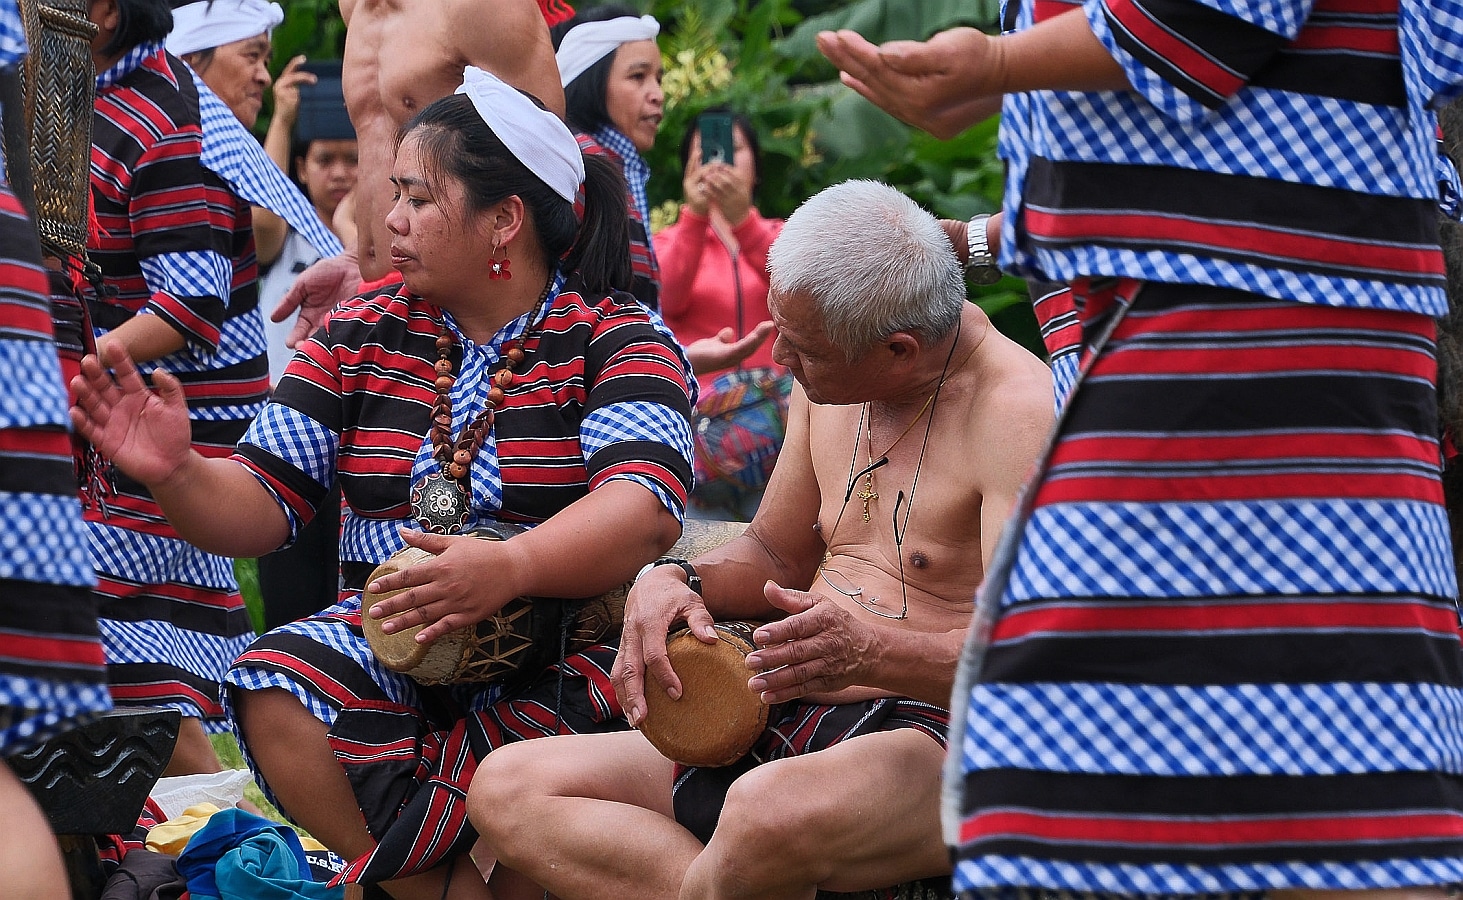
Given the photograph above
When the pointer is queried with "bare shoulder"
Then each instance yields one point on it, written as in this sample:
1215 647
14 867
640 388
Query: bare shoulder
512 19
1015 386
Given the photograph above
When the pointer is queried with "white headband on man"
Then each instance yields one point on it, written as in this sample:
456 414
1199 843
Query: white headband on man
591 42
537 137
213 23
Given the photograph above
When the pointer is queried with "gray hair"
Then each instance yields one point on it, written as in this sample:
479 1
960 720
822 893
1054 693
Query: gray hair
872 262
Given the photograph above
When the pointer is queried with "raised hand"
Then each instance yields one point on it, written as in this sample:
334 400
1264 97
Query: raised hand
316 292
145 432
726 349
728 189
287 90
943 85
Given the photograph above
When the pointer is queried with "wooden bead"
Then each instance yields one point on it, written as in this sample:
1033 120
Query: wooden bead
456 471
444 383
495 396
515 354
445 341
442 420
463 457
443 367
503 377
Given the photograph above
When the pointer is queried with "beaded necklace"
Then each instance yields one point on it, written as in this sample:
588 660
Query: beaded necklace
441 500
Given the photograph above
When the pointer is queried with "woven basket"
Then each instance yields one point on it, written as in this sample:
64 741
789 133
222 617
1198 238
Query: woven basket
60 91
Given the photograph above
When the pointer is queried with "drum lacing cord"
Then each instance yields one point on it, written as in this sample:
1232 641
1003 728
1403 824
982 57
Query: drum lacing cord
567 615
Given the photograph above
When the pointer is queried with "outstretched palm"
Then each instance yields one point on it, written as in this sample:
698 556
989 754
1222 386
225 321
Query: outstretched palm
145 433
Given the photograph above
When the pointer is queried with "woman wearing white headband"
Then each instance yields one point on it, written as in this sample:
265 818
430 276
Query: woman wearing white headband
610 66
478 391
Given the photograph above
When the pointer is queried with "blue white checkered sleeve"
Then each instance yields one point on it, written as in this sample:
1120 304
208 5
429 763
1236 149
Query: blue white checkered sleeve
189 273
298 441
638 421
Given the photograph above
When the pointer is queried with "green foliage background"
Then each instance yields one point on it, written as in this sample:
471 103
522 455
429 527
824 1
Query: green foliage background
759 57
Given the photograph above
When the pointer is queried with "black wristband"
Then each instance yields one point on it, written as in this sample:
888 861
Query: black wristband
693 581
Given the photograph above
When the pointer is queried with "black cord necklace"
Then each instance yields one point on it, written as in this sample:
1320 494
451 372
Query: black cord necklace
900 528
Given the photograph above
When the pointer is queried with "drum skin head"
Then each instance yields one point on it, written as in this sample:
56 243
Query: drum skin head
718 718
398 652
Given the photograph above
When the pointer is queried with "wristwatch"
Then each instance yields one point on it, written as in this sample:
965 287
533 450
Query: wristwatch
693 581
980 267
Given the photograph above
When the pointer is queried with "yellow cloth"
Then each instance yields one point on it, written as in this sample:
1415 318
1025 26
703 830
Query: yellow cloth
172 836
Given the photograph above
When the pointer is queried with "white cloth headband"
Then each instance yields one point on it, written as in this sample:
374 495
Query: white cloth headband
205 25
537 137
591 42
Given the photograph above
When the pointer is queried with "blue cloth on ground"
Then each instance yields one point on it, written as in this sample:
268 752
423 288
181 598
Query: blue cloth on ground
241 856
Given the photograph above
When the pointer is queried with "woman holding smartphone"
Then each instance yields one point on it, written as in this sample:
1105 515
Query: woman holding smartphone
714 290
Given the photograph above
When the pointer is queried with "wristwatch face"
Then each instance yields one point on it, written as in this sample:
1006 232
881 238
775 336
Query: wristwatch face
983 274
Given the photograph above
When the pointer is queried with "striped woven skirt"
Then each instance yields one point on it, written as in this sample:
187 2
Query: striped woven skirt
1226 657
408 750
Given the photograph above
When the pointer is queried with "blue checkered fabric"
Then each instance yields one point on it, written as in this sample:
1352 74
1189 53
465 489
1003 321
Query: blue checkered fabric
13 47
189 273
637 171
1234 547
993 880
1450 189
1225 655
126 63
232 153
638 422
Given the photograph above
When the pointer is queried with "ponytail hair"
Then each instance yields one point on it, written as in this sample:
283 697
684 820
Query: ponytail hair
601 256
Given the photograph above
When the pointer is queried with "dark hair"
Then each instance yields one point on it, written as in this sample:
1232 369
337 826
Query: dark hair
738 121
139 22
200 60
584 97
455 141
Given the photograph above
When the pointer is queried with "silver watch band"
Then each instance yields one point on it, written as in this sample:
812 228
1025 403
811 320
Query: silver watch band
976 243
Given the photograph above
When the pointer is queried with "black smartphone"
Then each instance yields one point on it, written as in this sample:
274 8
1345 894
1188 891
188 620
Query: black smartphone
717 144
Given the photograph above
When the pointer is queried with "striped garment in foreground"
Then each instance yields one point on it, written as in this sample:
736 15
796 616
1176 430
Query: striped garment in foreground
1227 657
51 668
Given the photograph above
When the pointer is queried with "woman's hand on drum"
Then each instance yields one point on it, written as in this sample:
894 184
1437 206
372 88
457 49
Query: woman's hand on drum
145 432
817 649
446 593
656 602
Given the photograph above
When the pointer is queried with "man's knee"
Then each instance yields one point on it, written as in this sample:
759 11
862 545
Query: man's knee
773 816
504 787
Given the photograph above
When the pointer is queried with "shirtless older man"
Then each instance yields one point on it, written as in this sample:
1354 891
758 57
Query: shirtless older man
910 432
401 55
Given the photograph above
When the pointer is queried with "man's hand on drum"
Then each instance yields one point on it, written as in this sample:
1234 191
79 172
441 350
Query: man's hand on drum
449 592
656 602
818 648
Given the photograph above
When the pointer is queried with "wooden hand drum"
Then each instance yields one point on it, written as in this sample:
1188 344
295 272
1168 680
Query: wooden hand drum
718 718
525 635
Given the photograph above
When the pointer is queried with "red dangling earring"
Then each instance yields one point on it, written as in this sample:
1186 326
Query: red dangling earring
499 268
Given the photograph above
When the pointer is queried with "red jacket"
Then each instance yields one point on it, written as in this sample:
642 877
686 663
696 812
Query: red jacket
699 281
